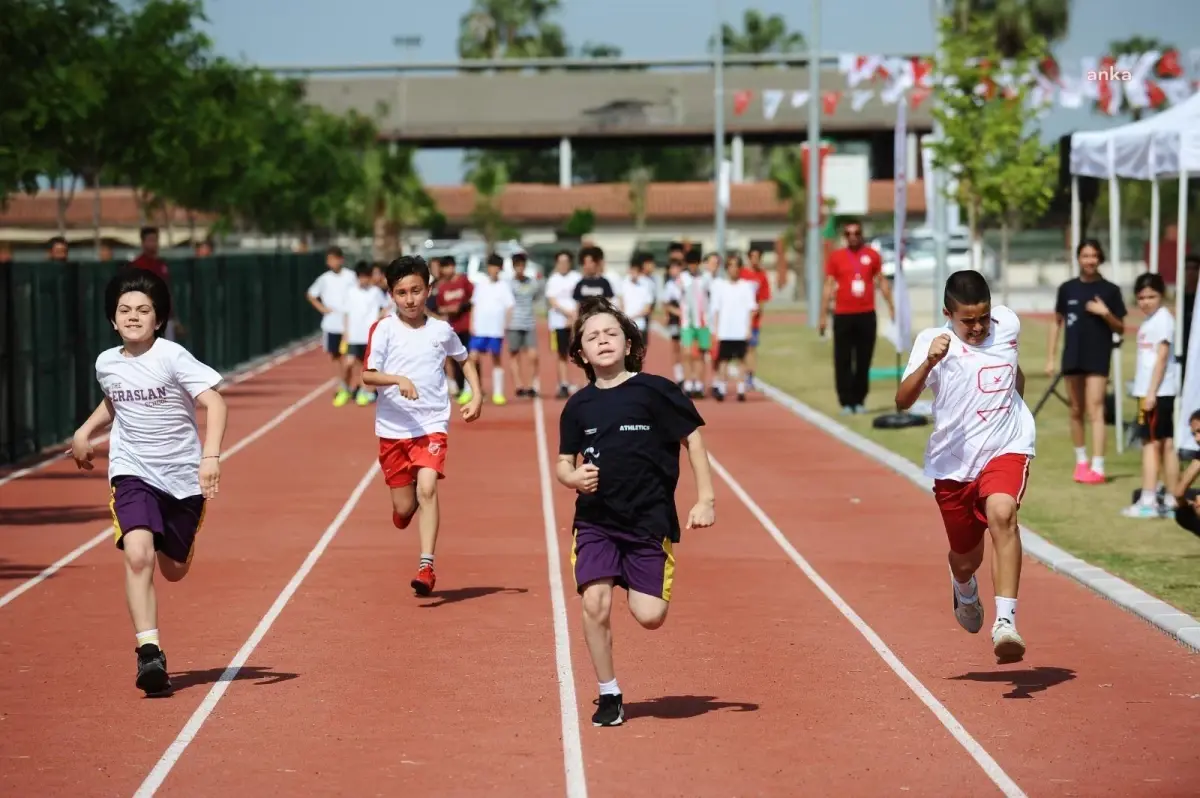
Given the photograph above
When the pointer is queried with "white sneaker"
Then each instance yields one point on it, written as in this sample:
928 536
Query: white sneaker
1006 642
969 616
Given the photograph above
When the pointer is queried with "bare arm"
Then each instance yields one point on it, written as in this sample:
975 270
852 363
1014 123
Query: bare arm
564 470
826 297
100 418
214 425
912 386
701 468
1162 354
378 379
1052 344
1185 481
1020 382
885 288
471 372
316 303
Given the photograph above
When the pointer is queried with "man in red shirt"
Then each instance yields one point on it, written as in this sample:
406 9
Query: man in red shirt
150 260
852 275
453 303
754 272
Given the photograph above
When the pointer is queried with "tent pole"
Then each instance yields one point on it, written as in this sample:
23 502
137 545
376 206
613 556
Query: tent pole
1114 245
1180 277
1076 226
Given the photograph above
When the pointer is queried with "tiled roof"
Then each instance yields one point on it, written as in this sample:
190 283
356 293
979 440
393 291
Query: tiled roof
118 208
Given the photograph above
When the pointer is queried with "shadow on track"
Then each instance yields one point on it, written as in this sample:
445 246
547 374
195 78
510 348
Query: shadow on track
1024 682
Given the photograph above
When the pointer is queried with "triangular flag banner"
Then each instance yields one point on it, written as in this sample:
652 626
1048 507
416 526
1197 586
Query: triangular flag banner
860 98
741 101
829 101
772 99
799 99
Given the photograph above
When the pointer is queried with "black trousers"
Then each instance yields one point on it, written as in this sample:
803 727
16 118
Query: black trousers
853 348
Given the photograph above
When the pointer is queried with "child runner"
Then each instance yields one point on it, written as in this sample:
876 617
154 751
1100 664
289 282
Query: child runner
328 295
491 308
625 522
453 303
635 298
560 312
160 474
592 283
366 304
981 446
695 339
1154 385
755 272
733 308
406 358
522 328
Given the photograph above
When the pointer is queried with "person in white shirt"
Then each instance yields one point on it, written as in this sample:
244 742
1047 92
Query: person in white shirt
161 476
695 337
328 295
366 304
981 446
1155 384
634 298
734 301
560 314
672 299
406 360
492 306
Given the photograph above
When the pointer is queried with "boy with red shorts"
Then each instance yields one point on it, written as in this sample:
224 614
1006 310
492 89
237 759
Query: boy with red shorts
981 446
405 360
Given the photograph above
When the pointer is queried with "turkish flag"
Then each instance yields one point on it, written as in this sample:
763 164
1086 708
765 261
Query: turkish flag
741 101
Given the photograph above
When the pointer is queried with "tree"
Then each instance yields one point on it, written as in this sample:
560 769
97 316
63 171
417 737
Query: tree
392 197
489 176
985 116
639 189
1013 24
787 173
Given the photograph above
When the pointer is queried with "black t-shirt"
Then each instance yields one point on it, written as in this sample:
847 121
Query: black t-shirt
631 432
1087 339
589 287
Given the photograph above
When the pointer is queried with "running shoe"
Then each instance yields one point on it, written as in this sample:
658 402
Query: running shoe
152 677
423 582
969 616
341 398
1006 642
610 711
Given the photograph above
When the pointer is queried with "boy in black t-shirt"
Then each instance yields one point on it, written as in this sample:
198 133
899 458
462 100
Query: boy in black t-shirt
625 518
593 283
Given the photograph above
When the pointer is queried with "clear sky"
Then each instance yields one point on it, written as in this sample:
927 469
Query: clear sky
342 32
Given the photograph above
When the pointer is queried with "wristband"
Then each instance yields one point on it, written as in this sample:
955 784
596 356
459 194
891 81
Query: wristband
211 457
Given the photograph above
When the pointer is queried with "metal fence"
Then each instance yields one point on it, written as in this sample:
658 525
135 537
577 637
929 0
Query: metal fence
233 308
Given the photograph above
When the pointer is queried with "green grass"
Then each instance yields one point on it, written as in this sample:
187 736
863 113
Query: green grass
1156 555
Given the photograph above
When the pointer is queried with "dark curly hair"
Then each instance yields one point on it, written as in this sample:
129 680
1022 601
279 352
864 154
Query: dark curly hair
130 279
599 306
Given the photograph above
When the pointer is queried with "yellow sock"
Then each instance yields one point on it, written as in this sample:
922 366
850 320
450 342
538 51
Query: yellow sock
150 637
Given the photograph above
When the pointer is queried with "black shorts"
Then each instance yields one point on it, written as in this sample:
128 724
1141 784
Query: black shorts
333 342
1159 423
357 351
560 342
1092 361
673 328
731 350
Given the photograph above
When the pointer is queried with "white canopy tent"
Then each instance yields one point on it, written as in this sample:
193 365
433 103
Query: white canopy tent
1164 145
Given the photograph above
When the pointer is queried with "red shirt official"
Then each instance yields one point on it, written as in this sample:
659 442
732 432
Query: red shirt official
455 291
152 263
855 271
759 277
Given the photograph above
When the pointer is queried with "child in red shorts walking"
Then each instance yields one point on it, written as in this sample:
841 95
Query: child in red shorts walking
405 360
981 446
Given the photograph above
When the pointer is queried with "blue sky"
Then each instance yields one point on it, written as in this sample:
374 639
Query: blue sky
341 32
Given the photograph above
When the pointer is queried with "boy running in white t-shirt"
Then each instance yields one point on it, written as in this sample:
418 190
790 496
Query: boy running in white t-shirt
635 299
1154 384
406 359
981 446
734 302
491 311
366 304
327 295
160 475
560 313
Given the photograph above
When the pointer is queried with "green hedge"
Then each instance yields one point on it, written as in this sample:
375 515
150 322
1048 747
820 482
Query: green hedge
233 308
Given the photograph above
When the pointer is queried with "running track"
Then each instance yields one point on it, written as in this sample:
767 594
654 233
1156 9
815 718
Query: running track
832 668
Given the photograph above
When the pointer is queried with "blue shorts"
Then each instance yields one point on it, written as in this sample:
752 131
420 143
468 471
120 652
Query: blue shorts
753 337
493 346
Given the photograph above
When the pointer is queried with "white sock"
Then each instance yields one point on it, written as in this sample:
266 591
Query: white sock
497 381
1080 455
1006 610
610 688
719 385
426 559
678 372
967 592
1098 465
689 385
741 387
1149 499
149 636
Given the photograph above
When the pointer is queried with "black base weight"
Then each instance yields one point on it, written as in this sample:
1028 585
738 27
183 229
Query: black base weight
899 420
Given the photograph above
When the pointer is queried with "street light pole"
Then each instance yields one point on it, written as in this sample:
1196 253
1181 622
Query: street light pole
812 246
719 131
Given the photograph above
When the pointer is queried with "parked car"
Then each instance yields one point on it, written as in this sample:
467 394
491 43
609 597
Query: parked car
920 261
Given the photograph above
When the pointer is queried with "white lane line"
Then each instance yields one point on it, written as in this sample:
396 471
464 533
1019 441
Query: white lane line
75 554
567 701
993 770
232 378
175 750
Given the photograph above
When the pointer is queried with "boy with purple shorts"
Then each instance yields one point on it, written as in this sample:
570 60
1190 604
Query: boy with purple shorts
160 475
626 524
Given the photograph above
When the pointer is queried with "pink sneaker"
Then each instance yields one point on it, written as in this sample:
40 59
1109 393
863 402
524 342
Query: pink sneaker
1085 475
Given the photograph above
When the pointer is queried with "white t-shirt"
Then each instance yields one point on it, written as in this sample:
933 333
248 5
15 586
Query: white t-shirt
331 289
1154 330
561 288
489 308
154 434
672 292
695 310
733 306
418 353
977 413
363 306
635 301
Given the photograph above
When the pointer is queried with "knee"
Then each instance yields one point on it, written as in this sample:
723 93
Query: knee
404 502
1002 516
597 603
139 551
427 492
172 571
650 617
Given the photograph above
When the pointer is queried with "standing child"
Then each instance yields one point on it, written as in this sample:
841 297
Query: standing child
560 312
625 521
1155 383
406 358
491 310
981 446
366 304
733 308
672 296
327 295
521 331
755 272
160 474
636 298
695 338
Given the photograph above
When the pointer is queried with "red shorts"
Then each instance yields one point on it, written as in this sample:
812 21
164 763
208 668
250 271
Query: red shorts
401 459
963 503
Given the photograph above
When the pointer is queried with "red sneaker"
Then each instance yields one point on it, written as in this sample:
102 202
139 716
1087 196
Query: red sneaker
424 581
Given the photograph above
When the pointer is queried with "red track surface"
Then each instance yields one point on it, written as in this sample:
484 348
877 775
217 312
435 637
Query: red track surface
757 685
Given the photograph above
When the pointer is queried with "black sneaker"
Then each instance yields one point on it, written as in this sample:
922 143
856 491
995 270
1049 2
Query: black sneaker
610 712
741 397
563 392
152 677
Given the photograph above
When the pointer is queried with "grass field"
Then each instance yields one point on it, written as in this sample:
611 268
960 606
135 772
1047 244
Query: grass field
1085 520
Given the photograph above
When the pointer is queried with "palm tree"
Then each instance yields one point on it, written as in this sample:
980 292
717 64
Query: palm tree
489 176
393 197
1016 20
639 186
787 173
759 34
496 29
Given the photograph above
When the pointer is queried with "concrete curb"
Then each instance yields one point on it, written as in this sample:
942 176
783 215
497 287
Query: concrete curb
1179 625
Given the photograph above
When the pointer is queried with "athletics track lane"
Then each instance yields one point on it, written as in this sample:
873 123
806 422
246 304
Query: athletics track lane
73 723
454 694
755 685
1103 704
47 513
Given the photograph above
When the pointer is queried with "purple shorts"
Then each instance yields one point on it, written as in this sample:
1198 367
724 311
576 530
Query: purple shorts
174 522
632 561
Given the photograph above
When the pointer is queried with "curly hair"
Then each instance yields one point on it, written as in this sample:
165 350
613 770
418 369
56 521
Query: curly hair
599 306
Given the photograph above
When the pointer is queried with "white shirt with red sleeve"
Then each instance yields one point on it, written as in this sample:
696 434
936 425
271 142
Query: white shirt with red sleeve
418 353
